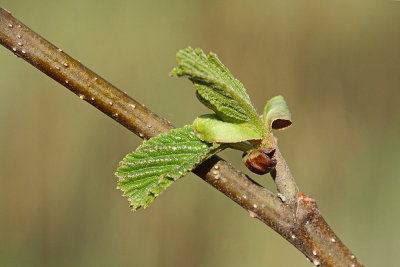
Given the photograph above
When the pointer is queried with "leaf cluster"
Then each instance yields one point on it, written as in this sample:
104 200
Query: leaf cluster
235 123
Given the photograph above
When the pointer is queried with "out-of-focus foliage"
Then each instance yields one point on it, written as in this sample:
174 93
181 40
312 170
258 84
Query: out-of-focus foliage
336 63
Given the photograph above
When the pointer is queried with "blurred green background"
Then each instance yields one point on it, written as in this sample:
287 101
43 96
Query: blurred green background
336 62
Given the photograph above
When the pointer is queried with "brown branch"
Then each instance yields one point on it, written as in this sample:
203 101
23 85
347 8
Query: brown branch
298 220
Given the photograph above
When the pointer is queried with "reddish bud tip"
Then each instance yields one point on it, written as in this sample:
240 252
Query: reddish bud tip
260 160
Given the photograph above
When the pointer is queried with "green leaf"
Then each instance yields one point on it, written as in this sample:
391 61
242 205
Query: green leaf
212 129
276 114
217 88
158 162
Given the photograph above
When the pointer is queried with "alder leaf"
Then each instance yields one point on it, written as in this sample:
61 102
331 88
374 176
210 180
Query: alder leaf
158 162
212 129
216 88
276 114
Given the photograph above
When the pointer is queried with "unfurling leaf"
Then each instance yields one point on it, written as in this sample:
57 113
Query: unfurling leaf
217 88
158 162
276 114
212 129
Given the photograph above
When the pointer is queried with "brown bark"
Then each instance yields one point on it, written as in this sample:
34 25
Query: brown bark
293 215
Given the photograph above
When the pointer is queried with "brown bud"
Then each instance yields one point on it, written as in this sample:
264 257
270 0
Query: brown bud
260 160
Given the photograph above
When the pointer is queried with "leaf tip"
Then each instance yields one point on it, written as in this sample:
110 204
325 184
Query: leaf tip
276 114
281 124
175 72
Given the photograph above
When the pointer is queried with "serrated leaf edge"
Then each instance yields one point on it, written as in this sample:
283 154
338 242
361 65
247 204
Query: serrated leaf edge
241 98
212 150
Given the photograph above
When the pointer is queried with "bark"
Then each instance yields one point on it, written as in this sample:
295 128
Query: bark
295 216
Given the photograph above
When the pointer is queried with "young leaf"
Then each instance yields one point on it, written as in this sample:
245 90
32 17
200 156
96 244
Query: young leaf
212 129
217 88
158 162
276 114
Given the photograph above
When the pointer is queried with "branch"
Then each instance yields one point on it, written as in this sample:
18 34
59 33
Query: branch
283 178
298 219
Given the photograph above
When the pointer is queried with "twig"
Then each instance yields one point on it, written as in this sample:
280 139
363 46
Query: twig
298 219
283 178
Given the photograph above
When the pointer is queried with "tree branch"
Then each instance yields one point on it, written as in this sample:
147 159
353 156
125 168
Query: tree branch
298 219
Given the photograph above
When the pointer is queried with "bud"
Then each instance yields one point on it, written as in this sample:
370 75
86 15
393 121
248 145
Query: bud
260 160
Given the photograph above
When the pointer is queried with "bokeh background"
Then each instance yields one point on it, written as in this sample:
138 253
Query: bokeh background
337 63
